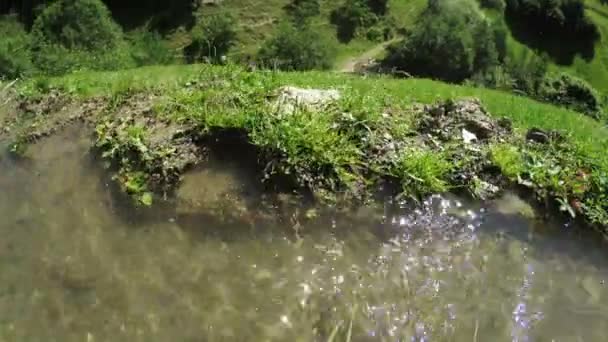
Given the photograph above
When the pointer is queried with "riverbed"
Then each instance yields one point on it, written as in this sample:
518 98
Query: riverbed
81 263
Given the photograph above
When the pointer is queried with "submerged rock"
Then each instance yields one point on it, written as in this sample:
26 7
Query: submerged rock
289 98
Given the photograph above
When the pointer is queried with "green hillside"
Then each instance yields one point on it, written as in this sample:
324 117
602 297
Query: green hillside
258 20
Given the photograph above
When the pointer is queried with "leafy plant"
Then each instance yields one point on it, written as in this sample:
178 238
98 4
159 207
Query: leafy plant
423 172
573 92
149 48
297 48
212 37
452 41
78 34
508 159
302 10
352 16
15 56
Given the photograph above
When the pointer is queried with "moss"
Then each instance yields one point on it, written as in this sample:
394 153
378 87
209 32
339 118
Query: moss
508 159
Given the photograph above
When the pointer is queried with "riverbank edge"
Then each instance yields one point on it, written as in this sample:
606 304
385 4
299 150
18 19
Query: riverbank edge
338 151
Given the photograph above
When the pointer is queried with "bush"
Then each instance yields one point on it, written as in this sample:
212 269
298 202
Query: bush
352 16
15 56
572 92
558 17
58 60
297 49
301 10
528 76
78 34
451 41
498 5
77 24
149 48
379 7
212 37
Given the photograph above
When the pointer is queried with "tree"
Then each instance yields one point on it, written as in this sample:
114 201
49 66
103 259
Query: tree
301 10
15 57
212 37
299 48
77 24
452 41
351 16
559 28
78 34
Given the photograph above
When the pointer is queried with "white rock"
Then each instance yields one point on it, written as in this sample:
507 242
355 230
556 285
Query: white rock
291 98
468 137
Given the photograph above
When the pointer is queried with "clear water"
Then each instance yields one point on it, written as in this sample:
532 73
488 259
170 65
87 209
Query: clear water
78 264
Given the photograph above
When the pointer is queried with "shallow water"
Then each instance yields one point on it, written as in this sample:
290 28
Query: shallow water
78 264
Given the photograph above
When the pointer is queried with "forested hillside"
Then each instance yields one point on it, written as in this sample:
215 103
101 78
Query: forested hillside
553 51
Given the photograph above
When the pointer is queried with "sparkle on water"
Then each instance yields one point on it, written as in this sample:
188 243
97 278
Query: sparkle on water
78 264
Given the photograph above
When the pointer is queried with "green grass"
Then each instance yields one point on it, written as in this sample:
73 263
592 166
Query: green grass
423 172
325 150
525 112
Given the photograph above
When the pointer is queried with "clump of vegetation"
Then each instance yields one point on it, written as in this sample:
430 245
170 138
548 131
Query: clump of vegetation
498 5
508 159
297 48
15 57
301 11
212 38
356 15
565 17
78 34
564 89
149 48
452 41
423 172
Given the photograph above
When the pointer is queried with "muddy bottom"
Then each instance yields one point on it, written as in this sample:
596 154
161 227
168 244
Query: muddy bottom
78 263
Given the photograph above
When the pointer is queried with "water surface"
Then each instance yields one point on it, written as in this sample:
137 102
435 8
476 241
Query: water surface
78 264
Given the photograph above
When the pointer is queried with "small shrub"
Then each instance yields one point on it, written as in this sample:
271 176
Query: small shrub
528 75
423 172
299 48
78 34
508 159
379 7
212 37
15 56
572 92
58 60
352 16
149 48
77 24
301 10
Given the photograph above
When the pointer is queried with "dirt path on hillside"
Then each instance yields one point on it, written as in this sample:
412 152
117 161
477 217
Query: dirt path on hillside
350 64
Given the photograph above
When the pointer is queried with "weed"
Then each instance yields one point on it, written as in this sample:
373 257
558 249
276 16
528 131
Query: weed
423 172
508 159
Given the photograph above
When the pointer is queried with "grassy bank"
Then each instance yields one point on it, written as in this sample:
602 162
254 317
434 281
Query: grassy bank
373 133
